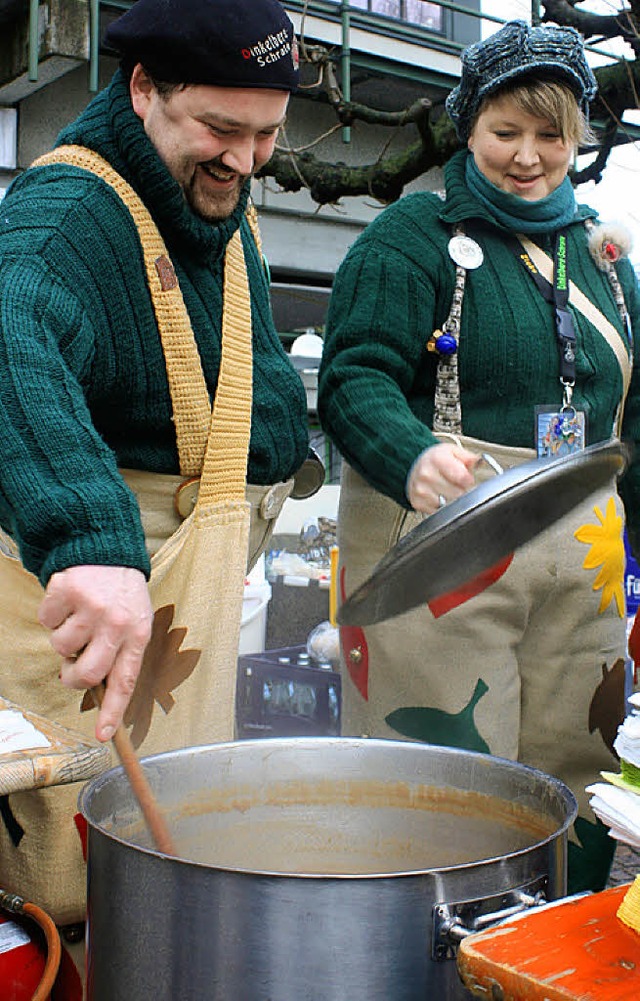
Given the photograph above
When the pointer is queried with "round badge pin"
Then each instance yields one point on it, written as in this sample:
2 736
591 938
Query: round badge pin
465 252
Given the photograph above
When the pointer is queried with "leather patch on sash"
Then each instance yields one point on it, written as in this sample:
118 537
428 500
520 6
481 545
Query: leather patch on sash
166 274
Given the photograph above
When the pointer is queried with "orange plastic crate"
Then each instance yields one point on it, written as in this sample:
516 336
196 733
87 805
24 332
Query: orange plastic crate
574 950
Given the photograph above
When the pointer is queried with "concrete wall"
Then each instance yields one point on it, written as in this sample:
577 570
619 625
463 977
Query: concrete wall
44 113
294 227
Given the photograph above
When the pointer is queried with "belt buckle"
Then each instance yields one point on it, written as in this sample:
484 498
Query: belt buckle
271 503
185 497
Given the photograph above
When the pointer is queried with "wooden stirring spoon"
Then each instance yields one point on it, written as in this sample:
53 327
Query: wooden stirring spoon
138 782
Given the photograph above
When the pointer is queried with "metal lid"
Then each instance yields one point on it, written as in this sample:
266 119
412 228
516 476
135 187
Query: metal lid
485 525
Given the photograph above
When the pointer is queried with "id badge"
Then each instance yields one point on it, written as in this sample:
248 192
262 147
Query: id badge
560 432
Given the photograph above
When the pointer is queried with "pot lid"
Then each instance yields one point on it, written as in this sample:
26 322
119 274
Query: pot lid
476 531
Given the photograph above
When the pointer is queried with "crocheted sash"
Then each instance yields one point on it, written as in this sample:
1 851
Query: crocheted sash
214 443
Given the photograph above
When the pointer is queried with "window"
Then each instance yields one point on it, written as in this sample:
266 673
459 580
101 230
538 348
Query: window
429 15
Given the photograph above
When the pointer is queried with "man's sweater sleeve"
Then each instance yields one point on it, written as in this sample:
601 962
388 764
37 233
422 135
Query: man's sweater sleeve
62 498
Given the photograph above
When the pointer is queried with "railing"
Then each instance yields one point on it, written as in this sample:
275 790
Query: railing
374 14
396 18
401 18
425 13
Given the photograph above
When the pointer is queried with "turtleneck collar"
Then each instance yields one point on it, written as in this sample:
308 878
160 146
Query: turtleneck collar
540 216
110 126
462 204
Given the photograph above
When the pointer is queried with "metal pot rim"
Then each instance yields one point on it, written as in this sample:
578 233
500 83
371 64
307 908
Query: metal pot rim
153 766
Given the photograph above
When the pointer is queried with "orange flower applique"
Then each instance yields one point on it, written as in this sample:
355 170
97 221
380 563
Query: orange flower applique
607 553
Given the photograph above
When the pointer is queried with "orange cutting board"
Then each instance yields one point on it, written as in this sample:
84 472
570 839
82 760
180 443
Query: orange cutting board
573 950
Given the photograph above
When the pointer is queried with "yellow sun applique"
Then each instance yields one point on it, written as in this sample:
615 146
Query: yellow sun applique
607 552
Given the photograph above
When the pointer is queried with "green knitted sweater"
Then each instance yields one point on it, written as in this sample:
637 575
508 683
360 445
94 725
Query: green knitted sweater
84 387
394 288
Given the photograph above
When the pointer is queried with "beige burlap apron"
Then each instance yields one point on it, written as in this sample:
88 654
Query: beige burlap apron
186 691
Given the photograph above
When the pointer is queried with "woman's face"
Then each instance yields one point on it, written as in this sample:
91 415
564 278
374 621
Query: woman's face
516 151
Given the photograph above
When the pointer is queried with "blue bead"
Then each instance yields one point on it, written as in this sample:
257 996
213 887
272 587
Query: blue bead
446 344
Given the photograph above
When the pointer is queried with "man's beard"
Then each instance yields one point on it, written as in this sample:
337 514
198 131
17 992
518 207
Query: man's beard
214 206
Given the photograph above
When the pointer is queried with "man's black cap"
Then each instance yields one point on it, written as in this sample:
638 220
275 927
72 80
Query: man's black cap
224 43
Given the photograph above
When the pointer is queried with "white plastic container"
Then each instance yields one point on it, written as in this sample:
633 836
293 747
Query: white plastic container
255 605
309 378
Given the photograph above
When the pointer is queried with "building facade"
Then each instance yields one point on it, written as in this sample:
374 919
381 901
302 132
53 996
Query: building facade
51 62
387 54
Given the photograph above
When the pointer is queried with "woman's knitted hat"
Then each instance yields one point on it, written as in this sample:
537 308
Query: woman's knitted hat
519 50
224 43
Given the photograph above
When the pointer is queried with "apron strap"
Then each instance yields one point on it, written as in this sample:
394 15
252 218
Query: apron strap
213 444
224 471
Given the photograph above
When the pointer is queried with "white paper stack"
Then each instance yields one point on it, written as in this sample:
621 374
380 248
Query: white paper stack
18 734
617 801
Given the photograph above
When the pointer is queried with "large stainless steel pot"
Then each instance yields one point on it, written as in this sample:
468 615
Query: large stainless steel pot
313 869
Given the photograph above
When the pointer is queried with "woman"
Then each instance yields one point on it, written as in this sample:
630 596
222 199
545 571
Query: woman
445 340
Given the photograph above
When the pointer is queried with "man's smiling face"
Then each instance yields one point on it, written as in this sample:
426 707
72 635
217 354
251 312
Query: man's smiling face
211 139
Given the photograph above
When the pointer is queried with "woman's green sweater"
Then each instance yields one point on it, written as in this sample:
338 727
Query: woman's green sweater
84 387
394 288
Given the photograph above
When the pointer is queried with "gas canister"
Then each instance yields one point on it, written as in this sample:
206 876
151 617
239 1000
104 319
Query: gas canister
23 956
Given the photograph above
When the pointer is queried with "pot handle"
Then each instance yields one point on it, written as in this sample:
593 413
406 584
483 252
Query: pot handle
453 922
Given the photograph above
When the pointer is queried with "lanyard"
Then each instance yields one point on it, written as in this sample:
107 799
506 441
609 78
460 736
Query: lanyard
557 294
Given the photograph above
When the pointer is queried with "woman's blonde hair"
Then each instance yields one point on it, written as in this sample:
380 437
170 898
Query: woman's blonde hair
553 101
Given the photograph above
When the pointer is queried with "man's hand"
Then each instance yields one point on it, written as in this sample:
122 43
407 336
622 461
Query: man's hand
440 474
100 619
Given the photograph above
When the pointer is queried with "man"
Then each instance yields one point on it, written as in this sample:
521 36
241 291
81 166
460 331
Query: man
88 401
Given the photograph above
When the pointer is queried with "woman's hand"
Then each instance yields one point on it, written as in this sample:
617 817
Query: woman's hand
440 474
100 619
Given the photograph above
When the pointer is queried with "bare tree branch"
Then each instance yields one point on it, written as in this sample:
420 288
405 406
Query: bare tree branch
593 172
385 179
618 87
589 25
